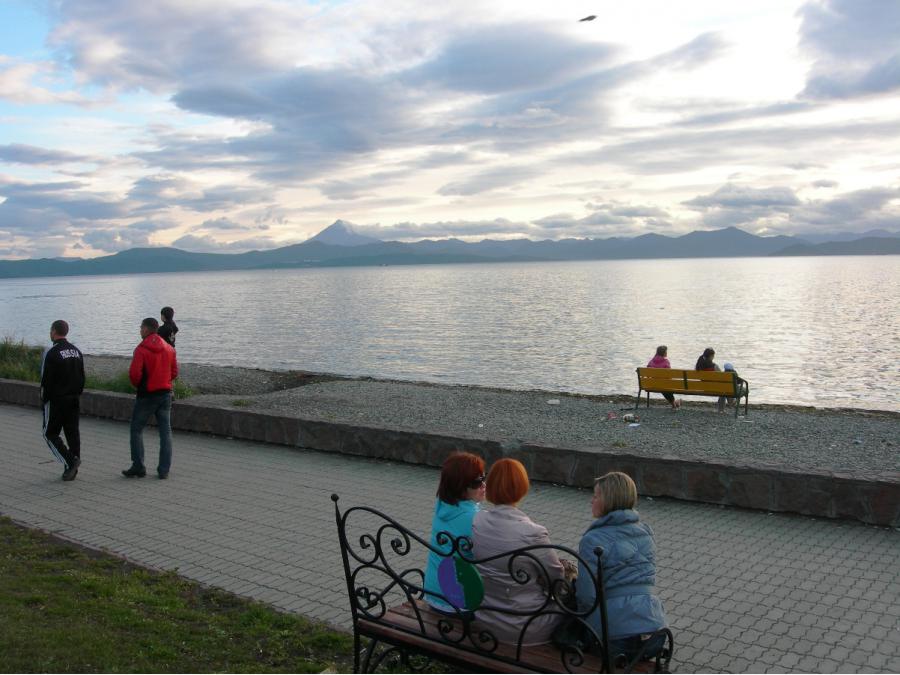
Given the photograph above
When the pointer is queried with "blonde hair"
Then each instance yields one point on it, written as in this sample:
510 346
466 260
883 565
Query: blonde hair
618 491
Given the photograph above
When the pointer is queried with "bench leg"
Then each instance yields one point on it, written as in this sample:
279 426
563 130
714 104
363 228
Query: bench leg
369 651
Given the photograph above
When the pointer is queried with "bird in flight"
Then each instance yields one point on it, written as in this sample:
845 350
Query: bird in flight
588 18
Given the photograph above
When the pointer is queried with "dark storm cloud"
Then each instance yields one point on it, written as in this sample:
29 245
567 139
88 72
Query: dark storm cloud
502 58
163 191
223 225
857 211
491 179
743 196
855 46
30 154
780 209
59 202
442 158
207 244
443 229
154 44
334 108
744 113
606 220
295 147
672 151
360 186
319 119
116 239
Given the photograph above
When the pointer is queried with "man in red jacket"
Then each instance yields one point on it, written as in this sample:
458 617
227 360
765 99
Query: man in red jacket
152 370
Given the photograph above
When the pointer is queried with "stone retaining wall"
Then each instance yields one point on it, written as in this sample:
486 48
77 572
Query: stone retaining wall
758 487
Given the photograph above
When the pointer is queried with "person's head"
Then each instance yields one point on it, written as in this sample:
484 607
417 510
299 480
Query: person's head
149 326
613 492
708 353
462 477
58 329
507 482
167 314
662 350
728 368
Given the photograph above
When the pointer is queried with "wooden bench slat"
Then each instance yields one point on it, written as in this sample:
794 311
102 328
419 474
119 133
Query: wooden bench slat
536 658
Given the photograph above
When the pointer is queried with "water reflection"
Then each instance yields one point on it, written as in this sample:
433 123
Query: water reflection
820 331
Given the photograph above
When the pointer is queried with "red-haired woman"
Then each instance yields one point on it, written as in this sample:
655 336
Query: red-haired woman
504 528
459 493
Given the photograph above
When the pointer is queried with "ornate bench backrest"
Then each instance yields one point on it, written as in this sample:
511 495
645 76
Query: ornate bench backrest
384 565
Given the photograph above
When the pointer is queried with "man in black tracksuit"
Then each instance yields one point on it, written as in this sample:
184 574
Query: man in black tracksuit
62 381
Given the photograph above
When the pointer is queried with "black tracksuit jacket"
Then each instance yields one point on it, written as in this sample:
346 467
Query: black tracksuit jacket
62 371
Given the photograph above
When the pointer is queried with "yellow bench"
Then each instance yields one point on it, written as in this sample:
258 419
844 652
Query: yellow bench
693 383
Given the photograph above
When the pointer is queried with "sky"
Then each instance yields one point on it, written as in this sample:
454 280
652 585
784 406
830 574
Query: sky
231 125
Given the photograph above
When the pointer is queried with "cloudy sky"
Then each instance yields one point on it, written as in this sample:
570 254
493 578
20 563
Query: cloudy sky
227 125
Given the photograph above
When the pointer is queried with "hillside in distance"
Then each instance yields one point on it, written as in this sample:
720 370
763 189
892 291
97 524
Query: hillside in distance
339 245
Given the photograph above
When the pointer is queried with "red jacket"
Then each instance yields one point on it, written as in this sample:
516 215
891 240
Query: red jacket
153 366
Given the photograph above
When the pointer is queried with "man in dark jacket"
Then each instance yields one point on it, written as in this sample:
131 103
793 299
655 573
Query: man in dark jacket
153 367
62 381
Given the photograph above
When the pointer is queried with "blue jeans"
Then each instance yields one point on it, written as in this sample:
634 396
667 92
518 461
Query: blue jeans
160 405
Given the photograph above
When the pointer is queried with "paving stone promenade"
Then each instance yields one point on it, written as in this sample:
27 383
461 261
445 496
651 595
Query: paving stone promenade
745 591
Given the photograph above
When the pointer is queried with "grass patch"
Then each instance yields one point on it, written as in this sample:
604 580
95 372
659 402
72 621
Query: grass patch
19 361
63 609
122 384
240 402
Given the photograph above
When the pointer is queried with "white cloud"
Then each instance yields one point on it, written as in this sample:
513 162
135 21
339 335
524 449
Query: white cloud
478 119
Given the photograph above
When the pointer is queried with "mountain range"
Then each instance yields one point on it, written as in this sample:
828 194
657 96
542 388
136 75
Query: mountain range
340 245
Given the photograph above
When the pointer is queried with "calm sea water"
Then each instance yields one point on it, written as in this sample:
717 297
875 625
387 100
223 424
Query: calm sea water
819 331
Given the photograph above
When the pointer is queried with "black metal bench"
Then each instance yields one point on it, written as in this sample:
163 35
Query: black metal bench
384 570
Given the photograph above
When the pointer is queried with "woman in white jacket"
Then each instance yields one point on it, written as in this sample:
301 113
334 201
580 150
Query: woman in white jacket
499 530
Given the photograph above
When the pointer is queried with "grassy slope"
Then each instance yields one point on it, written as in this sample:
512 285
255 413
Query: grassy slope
65 610
19 361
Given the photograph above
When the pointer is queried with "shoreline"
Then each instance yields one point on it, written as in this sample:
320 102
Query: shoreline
827 463
861 444
211 379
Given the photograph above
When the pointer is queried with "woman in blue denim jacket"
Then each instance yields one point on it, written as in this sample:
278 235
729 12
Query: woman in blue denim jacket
629 568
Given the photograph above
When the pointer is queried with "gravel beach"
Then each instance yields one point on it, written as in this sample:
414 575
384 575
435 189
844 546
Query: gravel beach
855 443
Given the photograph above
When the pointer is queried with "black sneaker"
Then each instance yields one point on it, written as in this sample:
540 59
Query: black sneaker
163 476
70 473
134 472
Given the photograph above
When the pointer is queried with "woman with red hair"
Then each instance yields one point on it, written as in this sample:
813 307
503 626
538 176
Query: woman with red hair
504 528
460 491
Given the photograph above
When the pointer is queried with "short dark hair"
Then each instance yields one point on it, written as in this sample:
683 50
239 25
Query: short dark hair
150 323
459 472
661 350
708 352
167 313
60 327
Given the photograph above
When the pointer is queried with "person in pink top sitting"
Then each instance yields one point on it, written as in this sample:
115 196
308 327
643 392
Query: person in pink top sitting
660 361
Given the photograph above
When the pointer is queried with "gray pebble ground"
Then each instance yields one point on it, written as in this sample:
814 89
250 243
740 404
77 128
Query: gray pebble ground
862 444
